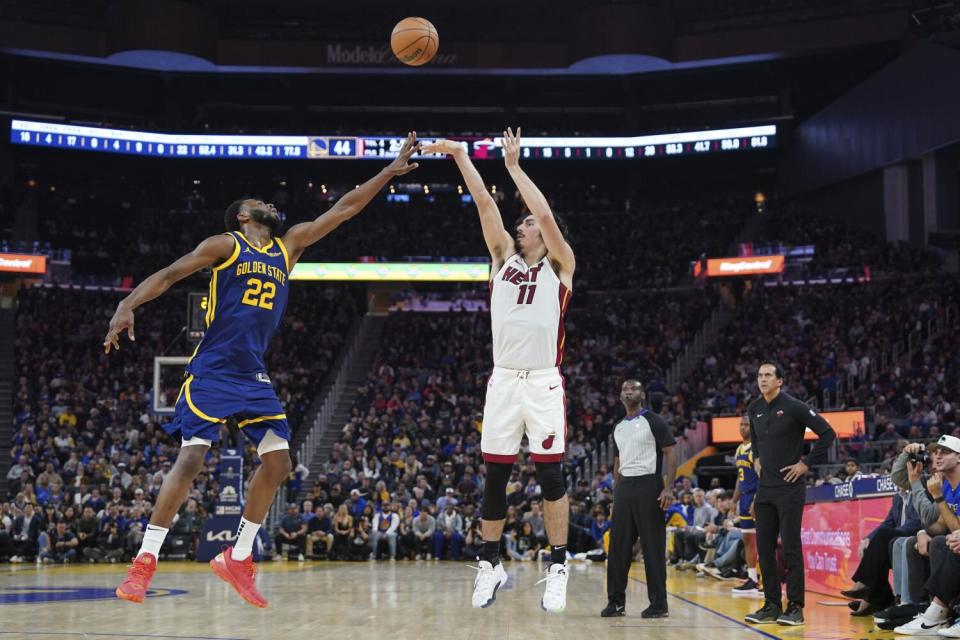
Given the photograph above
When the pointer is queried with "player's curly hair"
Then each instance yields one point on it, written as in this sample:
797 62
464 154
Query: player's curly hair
230 217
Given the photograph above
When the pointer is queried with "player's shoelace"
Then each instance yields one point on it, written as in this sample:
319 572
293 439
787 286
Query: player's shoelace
554 582
486 576
140 571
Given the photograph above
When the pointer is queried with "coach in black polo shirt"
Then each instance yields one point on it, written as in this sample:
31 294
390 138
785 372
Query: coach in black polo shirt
643 447
778 423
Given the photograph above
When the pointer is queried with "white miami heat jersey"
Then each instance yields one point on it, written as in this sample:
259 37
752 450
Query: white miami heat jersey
527 306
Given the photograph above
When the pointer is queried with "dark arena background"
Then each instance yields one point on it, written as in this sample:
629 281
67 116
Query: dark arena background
741 180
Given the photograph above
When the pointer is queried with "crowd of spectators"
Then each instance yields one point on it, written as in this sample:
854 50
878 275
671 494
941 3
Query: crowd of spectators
128 227
837 344
88 453
838 245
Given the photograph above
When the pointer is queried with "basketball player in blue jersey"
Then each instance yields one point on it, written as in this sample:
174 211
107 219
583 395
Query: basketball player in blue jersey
743 496
226 376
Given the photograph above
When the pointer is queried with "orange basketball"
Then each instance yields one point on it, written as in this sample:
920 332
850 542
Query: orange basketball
414 41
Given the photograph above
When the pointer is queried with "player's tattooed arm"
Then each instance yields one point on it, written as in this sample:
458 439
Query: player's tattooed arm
300 236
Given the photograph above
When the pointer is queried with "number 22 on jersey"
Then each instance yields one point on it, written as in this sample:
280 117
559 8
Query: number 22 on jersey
259 294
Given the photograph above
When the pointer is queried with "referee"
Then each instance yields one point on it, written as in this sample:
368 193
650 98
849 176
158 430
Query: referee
642 443
778 423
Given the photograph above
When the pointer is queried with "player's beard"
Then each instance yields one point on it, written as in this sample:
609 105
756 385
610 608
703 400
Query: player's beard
266 218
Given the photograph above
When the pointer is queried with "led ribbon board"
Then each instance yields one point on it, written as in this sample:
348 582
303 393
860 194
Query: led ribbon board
726 430
392 271
755 265
310 147
22 263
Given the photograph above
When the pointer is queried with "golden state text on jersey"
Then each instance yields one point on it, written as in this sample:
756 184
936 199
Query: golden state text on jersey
247 298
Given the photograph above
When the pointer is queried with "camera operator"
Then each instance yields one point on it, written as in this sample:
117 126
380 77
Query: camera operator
936 499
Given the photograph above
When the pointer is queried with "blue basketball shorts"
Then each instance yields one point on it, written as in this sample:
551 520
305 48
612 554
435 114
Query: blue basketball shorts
744 520
206 403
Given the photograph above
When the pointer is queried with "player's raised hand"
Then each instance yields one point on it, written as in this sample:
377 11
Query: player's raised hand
511 147
122 319
402 164
444 147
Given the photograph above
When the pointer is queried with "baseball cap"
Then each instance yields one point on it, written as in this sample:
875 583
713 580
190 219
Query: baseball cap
951 443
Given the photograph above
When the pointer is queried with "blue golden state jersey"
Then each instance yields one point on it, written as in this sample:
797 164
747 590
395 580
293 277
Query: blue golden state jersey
745 472
245 304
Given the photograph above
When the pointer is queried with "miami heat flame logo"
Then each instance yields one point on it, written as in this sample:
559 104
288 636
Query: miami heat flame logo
548 441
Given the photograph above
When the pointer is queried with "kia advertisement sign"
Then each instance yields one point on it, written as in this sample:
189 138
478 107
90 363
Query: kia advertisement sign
22 263
726 429
751 266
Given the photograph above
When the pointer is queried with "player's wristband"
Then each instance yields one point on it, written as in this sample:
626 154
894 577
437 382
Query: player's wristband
939 500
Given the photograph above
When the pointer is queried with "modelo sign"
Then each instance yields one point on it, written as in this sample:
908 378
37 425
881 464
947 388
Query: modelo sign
726 430
754 265
22 263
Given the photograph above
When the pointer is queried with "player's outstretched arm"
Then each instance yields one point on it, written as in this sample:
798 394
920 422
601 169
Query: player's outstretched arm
209 252
557 246
300 236
499 242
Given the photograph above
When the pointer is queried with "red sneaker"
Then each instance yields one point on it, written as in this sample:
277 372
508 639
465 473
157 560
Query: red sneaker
134 588
241 574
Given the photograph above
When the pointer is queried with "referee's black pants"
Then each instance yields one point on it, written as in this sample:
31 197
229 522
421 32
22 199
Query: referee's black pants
779 512
637 512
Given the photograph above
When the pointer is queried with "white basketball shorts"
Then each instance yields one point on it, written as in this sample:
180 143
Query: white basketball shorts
532 402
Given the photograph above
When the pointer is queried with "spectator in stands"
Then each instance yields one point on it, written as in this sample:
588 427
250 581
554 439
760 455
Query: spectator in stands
109 546
26 533
360 542
320 529
535 518
62 546
449 534
944 487
871 581
88 528
527 545
851 470
342 533
424 528
600 526
385 525
292 531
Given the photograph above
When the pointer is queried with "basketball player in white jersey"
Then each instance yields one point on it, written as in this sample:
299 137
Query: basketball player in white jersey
529 293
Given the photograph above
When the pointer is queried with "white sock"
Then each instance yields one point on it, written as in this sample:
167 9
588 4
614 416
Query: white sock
153 540
246 534
752 574
935 613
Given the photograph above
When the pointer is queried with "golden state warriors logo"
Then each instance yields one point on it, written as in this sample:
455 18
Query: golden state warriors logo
43 595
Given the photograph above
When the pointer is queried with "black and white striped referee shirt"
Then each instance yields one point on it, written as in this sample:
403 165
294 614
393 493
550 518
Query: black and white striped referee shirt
638 441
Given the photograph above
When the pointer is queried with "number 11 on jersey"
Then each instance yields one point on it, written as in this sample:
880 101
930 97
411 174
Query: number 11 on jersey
526 291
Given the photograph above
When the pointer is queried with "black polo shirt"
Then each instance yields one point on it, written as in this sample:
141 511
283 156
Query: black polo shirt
777 430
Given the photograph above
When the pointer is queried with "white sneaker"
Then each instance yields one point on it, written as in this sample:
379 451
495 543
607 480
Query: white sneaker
951 631
555 596
920 627
489 579
300 557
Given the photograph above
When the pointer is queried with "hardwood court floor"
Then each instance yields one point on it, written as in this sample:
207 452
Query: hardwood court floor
402 601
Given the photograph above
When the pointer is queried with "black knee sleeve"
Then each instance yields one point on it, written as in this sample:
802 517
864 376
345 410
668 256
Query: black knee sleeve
550 477
495 491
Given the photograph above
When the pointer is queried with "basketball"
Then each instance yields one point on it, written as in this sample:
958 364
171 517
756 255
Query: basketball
414 41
